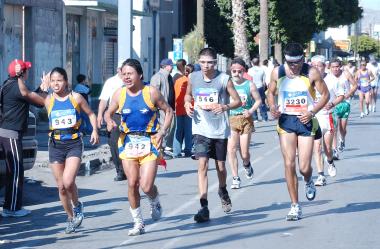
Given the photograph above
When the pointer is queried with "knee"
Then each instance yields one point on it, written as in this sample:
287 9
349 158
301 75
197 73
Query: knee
61 189
68 185
133 184
232 151
146 188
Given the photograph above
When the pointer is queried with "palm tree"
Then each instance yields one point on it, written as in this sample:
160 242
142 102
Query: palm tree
264 34
239 30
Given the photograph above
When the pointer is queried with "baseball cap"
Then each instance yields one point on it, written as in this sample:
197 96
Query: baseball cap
12 66
166 62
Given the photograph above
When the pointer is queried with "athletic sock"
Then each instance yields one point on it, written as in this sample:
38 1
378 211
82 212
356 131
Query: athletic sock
204 202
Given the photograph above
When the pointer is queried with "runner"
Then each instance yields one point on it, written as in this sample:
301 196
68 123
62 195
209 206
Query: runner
342 110
140 138
297 126
211 90
241 122
364 78
65 143
375 69
325 117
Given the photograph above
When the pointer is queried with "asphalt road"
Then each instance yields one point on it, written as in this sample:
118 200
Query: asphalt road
345 213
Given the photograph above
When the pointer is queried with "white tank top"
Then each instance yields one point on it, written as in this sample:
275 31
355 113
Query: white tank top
295 95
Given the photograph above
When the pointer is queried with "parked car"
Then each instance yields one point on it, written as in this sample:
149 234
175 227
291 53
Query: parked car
29 148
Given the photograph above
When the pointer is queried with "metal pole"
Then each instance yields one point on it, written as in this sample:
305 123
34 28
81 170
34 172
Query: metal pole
124 30
154 39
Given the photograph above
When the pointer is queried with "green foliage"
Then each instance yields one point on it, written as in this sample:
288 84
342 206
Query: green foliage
290 20
193 42
366 45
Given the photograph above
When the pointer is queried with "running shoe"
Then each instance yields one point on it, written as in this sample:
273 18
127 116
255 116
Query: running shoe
362 115
321 181
235 182
18 213
203 215
366 112
138 228
155 210
70 228
374 108
335 154
249 171
331 169
295 213
341 145
310 190
226 201
78 215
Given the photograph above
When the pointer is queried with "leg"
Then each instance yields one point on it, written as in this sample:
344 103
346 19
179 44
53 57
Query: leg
232 149
178 136
188 135
132 170
12 148
318 158
245 140
202 177
222 173
148 173
343 128
288 142
367 101
361 97
327 145
70 172
263 106
305 149
58 169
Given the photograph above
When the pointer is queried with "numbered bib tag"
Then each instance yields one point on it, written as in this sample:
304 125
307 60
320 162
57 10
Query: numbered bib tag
205 98
243 96
295 102
138 146
61 119
364 82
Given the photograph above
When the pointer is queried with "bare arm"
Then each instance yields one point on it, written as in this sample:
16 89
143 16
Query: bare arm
188 98
101 109
272 92
236 101
354 85
114 105
256 96
31 97
371 77
91 115
159 101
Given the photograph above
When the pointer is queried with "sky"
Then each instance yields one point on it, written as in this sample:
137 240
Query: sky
370 4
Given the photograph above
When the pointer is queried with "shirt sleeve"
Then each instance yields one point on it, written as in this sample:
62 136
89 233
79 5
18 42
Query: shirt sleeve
106 91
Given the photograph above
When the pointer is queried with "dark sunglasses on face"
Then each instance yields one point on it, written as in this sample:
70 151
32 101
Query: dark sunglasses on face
236 71
293 63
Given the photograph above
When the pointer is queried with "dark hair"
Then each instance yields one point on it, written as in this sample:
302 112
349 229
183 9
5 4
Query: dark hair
81 78
336 60
61 71
191 66
135 64
256 61
181 63
239 61
293 49
265 62
208 52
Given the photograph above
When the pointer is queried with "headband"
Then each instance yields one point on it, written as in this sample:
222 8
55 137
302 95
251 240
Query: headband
293 58
237 66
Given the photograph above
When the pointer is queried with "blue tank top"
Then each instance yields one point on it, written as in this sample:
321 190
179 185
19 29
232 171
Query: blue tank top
64 116
138 114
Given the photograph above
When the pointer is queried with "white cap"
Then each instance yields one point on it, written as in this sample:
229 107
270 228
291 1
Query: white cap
318 58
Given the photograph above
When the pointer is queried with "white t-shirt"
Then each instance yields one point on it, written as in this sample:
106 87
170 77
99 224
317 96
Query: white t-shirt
375 70
335 89
110 87
258 75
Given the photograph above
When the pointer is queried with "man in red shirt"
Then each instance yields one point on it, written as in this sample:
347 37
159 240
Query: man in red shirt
183 122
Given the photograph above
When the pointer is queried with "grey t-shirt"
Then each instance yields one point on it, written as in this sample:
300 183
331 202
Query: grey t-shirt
205 122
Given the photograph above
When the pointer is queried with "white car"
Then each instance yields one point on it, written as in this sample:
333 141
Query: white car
29 148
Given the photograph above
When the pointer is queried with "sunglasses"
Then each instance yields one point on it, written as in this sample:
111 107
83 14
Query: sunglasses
293 63
236 71
207 62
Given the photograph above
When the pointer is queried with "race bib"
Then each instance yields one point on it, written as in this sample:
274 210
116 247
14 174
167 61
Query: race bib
205 98
138 146
364 82
295 102
243 96
61 119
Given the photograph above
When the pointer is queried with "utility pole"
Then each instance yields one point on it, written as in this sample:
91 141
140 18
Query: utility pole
201 16
124 29
264 33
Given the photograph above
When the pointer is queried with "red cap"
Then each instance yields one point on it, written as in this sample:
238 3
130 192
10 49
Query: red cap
12 66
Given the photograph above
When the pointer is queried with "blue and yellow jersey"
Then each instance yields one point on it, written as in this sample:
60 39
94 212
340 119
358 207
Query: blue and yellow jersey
64 118
138 114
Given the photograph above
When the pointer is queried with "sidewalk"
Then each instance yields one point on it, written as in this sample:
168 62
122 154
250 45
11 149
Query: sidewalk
94 156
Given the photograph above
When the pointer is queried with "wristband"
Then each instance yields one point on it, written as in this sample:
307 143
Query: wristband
312 114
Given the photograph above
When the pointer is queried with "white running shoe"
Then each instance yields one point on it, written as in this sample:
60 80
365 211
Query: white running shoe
335 154
295 213
310 190
362 115
341 145
138 228
235 182
331 169
321 181
19 213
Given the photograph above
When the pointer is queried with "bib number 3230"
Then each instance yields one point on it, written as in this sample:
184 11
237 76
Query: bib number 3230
295 102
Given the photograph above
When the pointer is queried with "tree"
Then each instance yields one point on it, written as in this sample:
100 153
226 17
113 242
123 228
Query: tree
193 43
366 45
264 35
239 30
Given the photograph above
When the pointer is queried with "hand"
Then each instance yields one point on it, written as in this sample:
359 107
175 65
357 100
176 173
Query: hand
274 111
189 109
111 125
18 69
94 137
247 114
157 139
305 117
99 121
329 106
45 81
218 108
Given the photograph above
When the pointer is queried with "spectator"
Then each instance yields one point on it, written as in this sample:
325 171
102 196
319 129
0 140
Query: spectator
258 75
83 89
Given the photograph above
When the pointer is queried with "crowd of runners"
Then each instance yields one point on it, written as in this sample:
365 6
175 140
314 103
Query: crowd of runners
311 102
